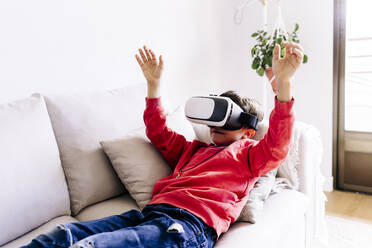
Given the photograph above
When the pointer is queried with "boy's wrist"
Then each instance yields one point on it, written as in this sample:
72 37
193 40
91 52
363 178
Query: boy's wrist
153 92
284 90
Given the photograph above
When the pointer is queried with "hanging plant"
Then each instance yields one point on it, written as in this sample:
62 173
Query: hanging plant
262 52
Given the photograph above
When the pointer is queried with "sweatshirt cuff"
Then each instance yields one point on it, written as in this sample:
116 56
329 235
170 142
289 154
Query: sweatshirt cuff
283 108
153 102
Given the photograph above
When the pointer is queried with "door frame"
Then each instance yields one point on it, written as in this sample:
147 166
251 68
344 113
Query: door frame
340 136
339 41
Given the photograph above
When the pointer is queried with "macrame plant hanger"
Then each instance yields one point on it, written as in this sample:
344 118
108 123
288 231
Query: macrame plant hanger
279 25
238 17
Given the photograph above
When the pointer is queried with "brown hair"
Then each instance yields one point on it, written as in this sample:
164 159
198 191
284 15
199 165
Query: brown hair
249 105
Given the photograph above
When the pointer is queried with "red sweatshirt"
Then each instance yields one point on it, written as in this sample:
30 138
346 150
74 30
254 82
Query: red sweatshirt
217 188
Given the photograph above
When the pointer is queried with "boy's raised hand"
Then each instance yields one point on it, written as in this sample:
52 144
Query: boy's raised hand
285 68
152 70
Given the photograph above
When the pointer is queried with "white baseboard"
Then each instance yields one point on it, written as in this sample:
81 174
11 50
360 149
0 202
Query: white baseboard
328 184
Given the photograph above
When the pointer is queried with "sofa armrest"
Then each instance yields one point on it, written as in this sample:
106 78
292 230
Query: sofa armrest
310 151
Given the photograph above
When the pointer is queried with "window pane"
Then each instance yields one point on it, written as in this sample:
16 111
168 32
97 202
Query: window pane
358 78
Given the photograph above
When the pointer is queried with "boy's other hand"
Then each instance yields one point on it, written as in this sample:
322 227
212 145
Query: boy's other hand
152 70
270 74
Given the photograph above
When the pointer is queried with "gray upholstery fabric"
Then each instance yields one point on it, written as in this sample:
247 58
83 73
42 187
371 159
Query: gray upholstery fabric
27 238
116 205
33 186
79 123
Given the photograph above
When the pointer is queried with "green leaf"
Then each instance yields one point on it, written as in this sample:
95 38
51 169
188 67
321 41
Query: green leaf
254 34
256 63
305 59
279 41
260 71
296 27
253 51
271 61
282 52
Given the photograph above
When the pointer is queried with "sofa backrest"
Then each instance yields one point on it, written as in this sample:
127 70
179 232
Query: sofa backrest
80 122
33 187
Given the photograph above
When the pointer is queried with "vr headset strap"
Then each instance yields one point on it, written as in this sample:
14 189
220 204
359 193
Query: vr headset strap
249 120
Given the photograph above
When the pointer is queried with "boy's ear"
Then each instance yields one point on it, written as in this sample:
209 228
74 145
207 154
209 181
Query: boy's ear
250 133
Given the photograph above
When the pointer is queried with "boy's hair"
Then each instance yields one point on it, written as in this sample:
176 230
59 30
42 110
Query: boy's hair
249 105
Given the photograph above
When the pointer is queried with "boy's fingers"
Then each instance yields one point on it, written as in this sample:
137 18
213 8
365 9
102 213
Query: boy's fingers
292 45
147 53
276 52
161 61
287 48
139 60
153 57
144 60
298 46
299 54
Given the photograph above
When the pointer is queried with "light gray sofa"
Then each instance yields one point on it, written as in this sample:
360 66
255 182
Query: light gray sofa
54 171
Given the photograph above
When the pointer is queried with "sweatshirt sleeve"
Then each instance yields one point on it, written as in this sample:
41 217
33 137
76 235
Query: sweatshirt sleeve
169 143
271 151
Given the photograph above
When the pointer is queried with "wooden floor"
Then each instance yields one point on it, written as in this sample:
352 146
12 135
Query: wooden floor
355 206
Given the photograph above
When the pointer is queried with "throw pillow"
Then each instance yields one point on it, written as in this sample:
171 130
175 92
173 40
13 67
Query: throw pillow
138 163
257 196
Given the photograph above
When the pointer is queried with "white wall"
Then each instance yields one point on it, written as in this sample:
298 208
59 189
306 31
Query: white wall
73 45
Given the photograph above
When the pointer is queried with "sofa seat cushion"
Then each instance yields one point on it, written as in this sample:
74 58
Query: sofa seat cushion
27 238
283 212
106 208
33 186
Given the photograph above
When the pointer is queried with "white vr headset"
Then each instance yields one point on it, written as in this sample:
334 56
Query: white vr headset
218 111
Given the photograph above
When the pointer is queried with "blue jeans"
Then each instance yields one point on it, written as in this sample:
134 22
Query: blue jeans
159 225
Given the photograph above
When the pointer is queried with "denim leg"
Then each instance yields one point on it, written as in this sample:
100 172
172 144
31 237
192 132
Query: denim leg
162 231
59 237
81 230
67 234
205 236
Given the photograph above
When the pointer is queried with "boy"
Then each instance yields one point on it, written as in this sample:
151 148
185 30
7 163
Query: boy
210 183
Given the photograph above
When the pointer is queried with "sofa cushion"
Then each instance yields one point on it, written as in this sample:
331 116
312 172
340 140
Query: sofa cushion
33 186
80 121
257 196
140 172
283 215
113 206
47 227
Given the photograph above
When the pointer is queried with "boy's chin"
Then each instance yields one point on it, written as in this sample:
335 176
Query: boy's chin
221 143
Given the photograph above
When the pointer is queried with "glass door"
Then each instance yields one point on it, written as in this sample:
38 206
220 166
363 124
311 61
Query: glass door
355 95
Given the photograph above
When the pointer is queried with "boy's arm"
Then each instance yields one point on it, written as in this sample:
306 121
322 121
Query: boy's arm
168 142
270 152
171 144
